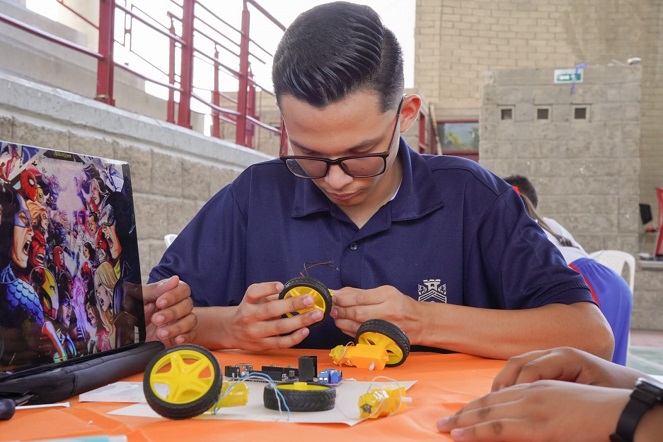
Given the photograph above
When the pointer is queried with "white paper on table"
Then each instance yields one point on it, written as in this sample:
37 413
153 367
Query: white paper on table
116 392
346 410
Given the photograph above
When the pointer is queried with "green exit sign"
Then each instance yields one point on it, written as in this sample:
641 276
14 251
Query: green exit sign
568 76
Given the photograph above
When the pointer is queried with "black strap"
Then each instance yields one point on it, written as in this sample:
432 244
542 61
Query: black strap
628 421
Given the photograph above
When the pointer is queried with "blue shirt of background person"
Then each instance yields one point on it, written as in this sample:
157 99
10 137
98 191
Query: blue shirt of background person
610 291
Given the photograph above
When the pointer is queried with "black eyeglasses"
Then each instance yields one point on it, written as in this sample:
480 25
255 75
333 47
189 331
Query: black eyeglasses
357 166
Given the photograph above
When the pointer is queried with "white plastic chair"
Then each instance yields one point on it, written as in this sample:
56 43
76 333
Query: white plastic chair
169 238
615 260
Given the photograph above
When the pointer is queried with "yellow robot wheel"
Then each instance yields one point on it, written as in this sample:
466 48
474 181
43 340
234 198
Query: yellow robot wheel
182 382
388 335
306 285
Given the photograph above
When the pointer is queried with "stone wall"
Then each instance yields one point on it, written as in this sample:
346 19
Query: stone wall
585 169
579 144
648 300
174 170
458 40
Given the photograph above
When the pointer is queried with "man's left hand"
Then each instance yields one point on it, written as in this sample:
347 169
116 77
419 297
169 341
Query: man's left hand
352 307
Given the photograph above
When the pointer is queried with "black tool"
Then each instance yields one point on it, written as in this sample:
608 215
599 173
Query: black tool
8 407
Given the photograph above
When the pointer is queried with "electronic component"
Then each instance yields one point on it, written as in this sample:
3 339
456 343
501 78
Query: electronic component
330 376
308 367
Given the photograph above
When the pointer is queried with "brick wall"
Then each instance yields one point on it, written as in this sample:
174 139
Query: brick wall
591 180
174 171
458 40
585 169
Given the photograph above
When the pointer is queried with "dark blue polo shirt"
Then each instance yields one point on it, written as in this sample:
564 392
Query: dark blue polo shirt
454 233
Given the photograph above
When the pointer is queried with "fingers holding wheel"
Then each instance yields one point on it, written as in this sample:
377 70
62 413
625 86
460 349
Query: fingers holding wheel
387 335
305 285
299 396
182 382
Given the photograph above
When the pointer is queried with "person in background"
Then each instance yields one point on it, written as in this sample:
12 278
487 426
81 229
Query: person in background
609 290
562 394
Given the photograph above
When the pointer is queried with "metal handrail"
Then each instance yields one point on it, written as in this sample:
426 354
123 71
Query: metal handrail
177 80
46 36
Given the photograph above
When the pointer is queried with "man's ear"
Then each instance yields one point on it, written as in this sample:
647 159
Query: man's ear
409 111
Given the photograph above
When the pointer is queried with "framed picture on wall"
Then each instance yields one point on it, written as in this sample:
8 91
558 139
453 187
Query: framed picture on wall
459 138
459 135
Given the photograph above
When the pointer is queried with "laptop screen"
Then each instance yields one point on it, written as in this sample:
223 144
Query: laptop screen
69 268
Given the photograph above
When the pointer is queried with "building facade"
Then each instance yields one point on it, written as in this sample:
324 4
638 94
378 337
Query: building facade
477 60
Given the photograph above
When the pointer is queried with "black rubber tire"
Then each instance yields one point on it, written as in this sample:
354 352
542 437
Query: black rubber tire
391 331
312 283
321 398
192 408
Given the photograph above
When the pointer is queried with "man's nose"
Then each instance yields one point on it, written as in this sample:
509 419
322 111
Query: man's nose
336 177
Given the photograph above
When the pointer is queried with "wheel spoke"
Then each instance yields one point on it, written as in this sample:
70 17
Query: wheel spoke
395 353
183 377
393 350
319 301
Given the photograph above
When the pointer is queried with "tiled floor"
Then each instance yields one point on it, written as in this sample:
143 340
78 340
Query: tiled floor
646 351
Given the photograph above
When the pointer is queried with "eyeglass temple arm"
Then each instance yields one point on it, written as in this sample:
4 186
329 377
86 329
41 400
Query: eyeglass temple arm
283 148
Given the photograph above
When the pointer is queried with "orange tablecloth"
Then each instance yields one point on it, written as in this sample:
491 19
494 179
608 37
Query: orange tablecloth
444 384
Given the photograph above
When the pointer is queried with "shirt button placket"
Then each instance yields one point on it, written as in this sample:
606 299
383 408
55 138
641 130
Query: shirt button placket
352 264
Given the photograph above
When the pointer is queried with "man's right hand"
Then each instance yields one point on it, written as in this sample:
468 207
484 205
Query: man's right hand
257 323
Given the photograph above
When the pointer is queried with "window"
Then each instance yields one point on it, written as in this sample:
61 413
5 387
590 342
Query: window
580 113
543 113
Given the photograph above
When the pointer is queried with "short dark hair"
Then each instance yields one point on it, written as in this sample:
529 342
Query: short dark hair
335 49
525 187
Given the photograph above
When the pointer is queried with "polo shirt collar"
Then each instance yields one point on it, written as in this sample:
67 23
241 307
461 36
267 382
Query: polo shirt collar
410 202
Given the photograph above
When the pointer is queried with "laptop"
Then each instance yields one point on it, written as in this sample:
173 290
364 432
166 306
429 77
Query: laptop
70 287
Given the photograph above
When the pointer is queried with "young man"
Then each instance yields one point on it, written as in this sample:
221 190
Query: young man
436 245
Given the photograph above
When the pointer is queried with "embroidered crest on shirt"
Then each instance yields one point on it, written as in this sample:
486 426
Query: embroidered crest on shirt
432 291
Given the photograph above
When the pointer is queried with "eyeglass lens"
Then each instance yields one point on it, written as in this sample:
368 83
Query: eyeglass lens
356 167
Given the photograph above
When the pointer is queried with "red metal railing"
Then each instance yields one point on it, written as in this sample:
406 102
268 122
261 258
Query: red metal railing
193 27
46 36
195 34
199 29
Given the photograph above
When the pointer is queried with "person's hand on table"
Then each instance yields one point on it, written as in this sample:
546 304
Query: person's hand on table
557 394
564 364
169 312
257 323
539 411
352 307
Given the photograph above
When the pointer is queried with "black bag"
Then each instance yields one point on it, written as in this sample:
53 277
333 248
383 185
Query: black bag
59 381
